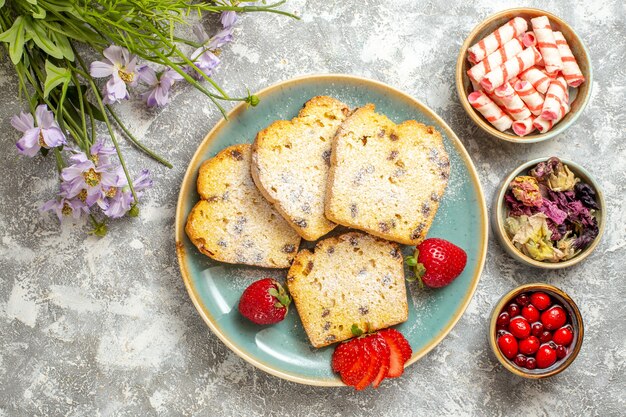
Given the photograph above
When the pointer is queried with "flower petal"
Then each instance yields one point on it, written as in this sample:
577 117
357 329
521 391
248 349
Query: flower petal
147 75
116 89
53 137
115 54
44 117
29 143
200 33
228 18
23 121
100 69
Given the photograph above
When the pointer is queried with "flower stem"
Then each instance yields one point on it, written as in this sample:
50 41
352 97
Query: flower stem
135 141
96 92
59 159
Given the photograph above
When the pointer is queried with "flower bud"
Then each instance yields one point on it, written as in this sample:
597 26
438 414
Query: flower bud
134 211
253 100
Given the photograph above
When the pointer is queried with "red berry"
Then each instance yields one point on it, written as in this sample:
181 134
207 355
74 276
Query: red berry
372 345
563 336
546 356
513 310
503 319
530 313
508 345
349 359
400 351
545 337
529 346
264 302
385 354
536 329
531 363
541 300
522 299
519 327
441 260
520 360
561 352
554 318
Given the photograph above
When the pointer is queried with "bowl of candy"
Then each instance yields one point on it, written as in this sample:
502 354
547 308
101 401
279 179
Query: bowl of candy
523 75
549 213
536 331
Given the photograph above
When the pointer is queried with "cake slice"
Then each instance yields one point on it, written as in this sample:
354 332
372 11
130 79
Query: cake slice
233 222
350 279
290 161
384 178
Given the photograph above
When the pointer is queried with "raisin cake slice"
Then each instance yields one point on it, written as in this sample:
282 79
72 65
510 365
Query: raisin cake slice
384 178
290 162
233 222
349 279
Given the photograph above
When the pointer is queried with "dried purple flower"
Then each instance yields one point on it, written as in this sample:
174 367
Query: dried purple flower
121 66
587 195
46 134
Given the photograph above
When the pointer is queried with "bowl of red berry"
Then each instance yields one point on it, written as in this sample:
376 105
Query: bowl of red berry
536 331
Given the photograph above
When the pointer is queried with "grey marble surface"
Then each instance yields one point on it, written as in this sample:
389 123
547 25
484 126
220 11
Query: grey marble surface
99 327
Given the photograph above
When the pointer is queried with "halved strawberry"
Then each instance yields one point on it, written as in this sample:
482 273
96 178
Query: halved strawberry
400 351
372 344
357 371
382 349
344 356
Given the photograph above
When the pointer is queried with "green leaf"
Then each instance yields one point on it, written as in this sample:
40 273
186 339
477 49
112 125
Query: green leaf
54 77
1 4
63 44
14 36
356 331
41 38
40 13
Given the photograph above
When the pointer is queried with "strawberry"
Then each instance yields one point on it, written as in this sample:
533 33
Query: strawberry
373 365
381 346
264 302
368 358
437 262
399 349
354 374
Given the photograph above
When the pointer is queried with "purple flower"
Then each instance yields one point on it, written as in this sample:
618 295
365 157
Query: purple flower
46 134
228 19
120 200
121 66
66 207
221 38
158 94
99 154
204 57
90 182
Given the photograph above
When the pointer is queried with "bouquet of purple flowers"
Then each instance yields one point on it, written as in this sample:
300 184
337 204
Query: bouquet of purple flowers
66 101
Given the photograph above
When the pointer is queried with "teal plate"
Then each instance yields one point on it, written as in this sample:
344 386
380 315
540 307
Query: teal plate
283 349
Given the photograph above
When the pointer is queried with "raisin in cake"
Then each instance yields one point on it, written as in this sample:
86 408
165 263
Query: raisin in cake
233 222
384 178
349 279
290 162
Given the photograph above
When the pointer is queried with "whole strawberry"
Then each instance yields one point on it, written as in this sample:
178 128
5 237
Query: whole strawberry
437 262
264 302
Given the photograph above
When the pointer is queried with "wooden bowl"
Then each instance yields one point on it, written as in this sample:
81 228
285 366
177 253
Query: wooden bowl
579 97
576 321
499 214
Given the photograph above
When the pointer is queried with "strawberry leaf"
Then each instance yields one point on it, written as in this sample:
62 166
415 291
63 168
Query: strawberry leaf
355 330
